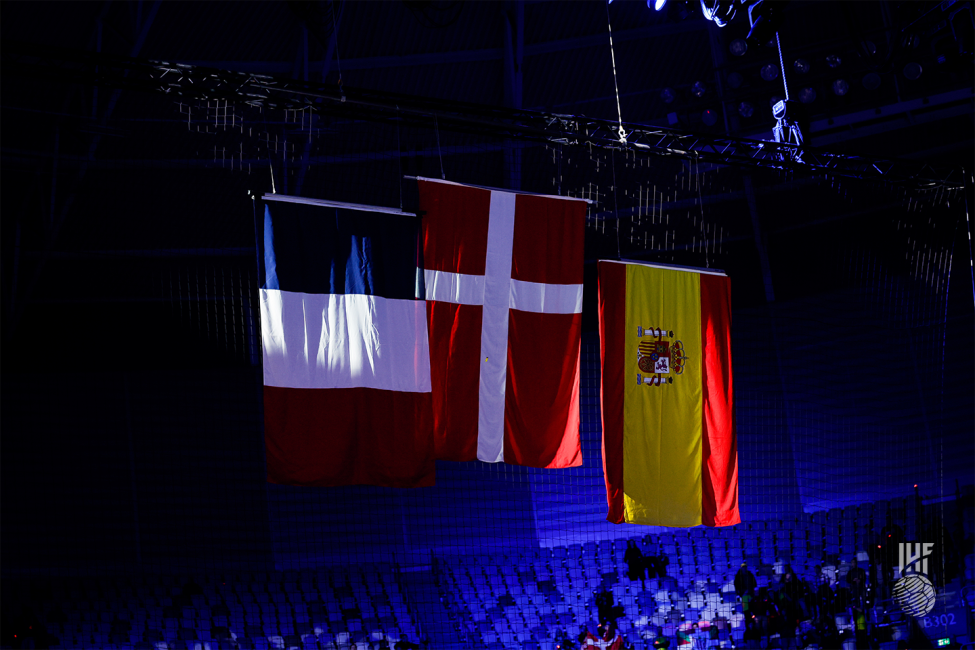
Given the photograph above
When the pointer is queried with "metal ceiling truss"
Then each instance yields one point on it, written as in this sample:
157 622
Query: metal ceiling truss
184 83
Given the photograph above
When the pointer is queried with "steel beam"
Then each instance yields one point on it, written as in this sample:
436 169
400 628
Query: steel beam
185 82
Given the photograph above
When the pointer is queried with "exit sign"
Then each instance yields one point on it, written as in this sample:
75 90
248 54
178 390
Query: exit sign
943 642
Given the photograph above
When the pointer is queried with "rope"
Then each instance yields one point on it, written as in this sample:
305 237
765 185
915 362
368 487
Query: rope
612 55
966 189
782 65
335 29
436 127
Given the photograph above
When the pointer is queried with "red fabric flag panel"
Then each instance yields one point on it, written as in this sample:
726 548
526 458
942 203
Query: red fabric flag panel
503 274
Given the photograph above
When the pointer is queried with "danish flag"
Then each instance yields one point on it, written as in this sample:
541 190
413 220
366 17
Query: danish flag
503 275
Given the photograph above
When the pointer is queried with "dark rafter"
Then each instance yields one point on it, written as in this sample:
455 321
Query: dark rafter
187 82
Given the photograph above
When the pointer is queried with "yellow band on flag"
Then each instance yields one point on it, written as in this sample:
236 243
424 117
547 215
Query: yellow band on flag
669 444
662 398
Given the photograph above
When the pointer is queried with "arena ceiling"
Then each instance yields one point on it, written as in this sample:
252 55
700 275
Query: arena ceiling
100 172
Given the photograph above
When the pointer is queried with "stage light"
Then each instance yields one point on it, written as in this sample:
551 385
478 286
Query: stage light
840 87
913 71
656 4
871 81
699 89
770 72
721 12
745 109
709 117
763 19
833 61
807 95
668 95
801 66
738 47
735 80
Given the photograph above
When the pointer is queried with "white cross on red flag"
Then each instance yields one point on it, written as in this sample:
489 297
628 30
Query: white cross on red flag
503 274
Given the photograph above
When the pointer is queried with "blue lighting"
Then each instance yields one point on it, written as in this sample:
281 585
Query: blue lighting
657 4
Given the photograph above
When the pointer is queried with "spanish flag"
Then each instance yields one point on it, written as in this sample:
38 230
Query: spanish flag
669 446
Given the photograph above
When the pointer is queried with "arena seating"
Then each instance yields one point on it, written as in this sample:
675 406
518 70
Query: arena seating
347 608
496 601
526 600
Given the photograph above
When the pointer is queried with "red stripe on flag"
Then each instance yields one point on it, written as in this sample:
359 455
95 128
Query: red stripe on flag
541 423
719 448
455 371
612 352
455 227
548 240
348 436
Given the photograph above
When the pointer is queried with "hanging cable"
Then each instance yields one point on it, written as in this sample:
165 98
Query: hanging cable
399 162
612 56
966 190
616 207
436 127
335 35
782 65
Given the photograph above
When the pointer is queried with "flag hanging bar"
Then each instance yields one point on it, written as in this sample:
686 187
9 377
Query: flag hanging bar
500 189
283 198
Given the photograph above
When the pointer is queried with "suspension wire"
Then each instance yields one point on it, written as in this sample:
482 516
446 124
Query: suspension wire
399 161
782 65
335 35
612 56
966 190
436 128
941 414
616 207
700 203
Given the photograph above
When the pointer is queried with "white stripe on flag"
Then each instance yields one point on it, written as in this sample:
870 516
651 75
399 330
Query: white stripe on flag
537 297
546 298
344 341
456 288
494 328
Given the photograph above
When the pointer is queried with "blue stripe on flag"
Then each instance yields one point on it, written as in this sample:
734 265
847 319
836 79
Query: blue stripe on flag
325 250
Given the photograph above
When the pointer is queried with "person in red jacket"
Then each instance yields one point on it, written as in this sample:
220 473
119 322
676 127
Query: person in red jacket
607 637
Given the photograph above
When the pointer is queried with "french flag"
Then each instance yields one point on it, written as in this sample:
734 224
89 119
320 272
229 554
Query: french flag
347 391
503 274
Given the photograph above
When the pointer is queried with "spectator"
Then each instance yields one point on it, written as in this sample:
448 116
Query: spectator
745 582
604 604
792 592
860 623
404 644
891 536
606 637
856 581
661 642
765 611
827 634
657 566
824 596
636 563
